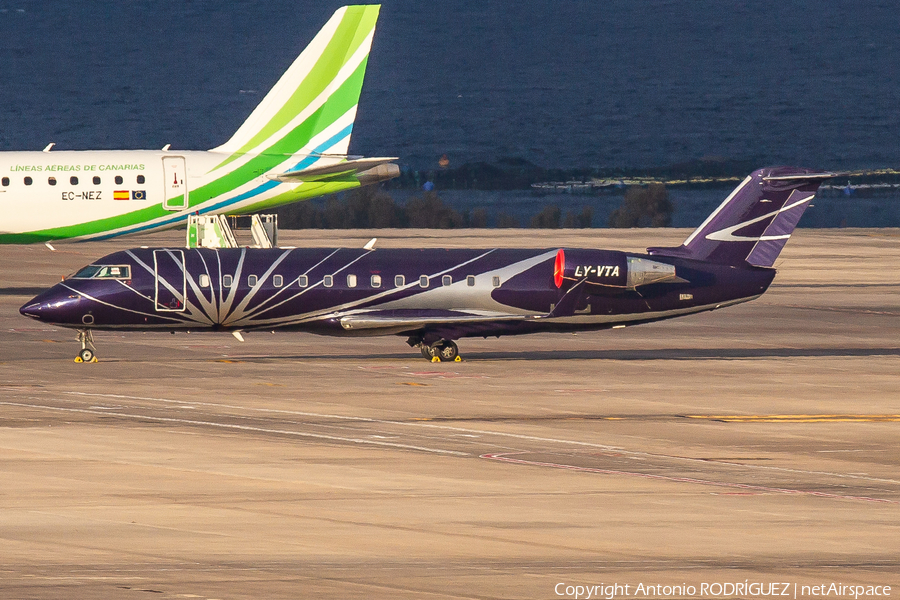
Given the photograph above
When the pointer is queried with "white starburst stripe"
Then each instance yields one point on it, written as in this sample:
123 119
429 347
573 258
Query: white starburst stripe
727 234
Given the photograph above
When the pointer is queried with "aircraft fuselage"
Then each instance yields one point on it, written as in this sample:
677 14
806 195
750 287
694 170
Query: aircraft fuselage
437 296
428 294
98 194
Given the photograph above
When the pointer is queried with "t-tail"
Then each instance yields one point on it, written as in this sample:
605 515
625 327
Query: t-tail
755 221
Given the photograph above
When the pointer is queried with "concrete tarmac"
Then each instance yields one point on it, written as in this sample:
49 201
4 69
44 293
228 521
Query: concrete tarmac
755 444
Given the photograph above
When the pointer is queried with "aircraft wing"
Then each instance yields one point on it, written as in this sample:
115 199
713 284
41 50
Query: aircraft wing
363 168
404 320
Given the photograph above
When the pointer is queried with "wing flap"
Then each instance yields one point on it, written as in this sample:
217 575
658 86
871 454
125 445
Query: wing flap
403 322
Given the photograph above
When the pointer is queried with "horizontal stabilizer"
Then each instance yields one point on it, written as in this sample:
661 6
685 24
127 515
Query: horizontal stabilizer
801 177
338 170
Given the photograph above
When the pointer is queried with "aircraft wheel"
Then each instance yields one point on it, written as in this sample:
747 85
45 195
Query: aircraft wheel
86 355
427 351
447 350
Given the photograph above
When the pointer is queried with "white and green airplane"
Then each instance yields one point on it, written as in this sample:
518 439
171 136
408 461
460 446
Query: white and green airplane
292 147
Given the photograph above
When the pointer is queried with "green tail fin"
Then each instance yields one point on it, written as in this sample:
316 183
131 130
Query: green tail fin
312 107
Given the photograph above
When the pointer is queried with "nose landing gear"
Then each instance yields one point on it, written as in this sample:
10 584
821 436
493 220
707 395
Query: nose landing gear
88 353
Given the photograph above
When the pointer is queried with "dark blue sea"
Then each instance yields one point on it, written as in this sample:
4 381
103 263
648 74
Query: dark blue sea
567 83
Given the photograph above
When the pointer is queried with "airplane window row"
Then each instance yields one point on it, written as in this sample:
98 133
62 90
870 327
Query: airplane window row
74 180
352 281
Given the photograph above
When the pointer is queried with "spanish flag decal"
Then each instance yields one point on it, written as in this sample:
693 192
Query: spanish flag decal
121 195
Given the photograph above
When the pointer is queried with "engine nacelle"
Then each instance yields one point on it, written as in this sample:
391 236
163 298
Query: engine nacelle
609 269
605 268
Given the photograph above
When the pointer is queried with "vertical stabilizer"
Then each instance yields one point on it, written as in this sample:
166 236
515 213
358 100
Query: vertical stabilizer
312 107
755 221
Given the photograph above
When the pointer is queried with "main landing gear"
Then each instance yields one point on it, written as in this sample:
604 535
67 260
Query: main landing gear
442 350
88 353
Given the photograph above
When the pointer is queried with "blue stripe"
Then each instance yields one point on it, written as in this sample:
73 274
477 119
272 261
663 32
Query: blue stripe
306 162
309 160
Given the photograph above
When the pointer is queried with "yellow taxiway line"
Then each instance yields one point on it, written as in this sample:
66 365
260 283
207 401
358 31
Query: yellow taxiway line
799 418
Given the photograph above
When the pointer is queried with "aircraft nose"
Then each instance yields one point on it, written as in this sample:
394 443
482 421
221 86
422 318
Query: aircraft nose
32 310
52 306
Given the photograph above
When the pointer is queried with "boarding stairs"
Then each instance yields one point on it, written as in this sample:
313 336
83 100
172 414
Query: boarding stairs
215 231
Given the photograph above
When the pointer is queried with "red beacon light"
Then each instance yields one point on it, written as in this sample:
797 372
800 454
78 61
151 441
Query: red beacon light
558 268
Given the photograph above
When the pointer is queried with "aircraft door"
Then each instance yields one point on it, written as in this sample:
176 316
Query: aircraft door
171 282
175 183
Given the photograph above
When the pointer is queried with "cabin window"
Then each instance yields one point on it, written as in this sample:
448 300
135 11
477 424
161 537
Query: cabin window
376 281
251 280
399 281
351 281
96 180
495 281
140 179
6 182
446 280
470 281
204 280
423 281
277 280
328 281
119 180
303 280
51 180
28 181
73 180
227 281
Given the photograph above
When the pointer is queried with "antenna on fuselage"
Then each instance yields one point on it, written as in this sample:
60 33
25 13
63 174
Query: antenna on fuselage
50 145
371 244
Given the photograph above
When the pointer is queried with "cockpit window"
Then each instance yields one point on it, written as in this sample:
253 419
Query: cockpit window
114 272
86 273
104 272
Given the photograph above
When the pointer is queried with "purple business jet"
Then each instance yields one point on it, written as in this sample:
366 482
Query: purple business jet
434 297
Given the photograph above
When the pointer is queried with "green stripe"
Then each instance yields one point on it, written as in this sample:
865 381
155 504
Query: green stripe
343 99
99 226
368 18
310 190
304 192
